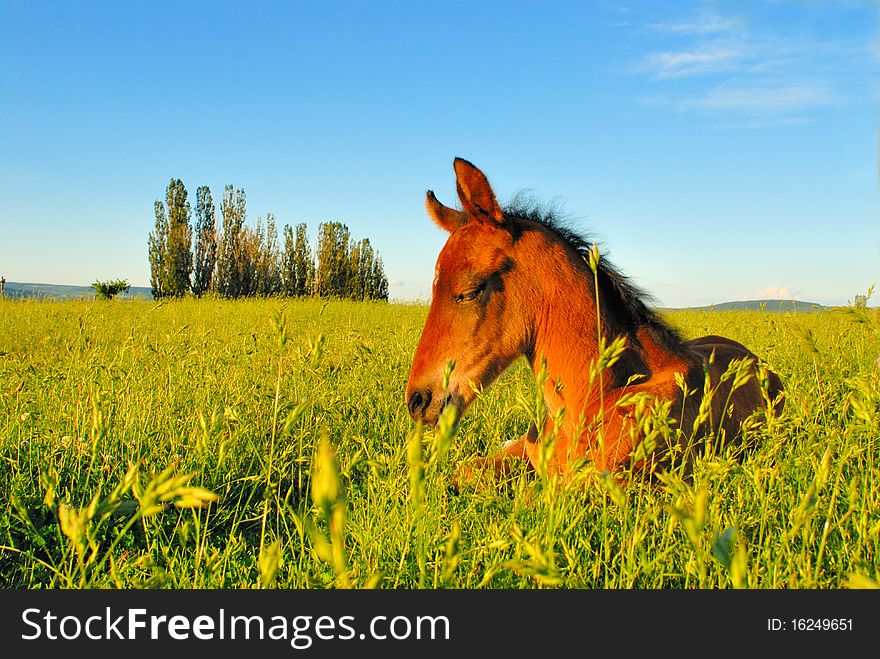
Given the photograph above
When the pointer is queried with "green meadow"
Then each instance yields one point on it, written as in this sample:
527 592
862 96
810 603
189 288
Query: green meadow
265 443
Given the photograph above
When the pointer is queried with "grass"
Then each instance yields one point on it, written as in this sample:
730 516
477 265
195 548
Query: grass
247 444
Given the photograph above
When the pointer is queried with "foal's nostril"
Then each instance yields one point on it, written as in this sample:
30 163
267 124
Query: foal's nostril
415 402
419 402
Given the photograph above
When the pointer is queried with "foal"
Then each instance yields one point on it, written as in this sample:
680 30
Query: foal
510 283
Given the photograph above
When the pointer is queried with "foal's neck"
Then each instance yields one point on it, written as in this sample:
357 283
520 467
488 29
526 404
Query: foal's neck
566 337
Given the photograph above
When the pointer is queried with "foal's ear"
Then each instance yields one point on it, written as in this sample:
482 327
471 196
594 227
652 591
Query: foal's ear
476 194
444 217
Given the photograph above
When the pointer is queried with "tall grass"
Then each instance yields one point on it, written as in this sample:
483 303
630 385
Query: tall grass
253 444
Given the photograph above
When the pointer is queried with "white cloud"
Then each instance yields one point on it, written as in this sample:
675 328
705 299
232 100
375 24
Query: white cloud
755 76
753 105
688 63
706 23
760 98
718 45
773 292
396 282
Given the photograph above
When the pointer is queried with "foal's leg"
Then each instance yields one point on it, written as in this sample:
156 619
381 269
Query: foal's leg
498 464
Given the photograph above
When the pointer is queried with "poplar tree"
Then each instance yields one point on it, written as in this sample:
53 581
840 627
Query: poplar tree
179 259
246 260
158 248
267 259
305 263
365 267
233 207
297 267
206 242
355 285
288 265
379 282
331 270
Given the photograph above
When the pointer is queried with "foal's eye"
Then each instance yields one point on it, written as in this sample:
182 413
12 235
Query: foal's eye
472 294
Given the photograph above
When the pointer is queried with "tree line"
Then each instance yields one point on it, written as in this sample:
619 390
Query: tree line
236 260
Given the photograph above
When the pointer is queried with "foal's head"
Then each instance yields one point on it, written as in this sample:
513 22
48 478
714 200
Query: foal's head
482 299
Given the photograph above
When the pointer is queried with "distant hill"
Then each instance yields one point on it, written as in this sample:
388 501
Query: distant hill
18 290
21 290
758 305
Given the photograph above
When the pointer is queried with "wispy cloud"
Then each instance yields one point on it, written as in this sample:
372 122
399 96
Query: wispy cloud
746 104
727 66
694 62
396 282
718 46
704 25
760 98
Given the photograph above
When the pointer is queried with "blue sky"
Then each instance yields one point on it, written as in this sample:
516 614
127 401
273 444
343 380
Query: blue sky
717 150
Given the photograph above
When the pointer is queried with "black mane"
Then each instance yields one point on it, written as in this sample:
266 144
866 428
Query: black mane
620 298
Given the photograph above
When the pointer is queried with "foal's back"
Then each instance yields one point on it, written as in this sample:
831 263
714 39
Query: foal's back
727 411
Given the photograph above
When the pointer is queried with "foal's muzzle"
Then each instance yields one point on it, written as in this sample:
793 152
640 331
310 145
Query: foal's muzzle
426 406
